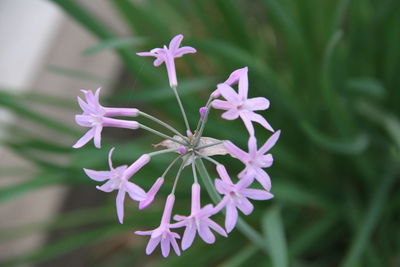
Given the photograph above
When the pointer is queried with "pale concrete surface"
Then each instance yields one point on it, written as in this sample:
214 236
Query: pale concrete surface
64 51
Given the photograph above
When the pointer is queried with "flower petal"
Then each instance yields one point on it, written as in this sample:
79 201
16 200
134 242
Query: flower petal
234 76
215 227
98 175
247 122
243 84
261 120
97 136
205 233
175 42
257 103
228 93
184 50
263 178
175 246
188 235
257 194
270 142
84 139
223 174
107 187
231 114
144 232
252 144
221 104
153 242
236 152
146 54
120 205
165 246
231 217
135 192
245 205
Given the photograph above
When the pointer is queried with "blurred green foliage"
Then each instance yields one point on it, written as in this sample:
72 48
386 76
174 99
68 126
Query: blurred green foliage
331 71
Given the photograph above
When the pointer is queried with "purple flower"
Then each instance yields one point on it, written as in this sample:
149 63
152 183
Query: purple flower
232 79
255 160
236 197
239 105
96 117
151 194
198 221
118 180
167 55
163 234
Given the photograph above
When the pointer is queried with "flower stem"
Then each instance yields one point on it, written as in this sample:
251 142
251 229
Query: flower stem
170 165
160 134
194 170
166 125
209 145
178 175
245 228
181 107
202 122
208 158
159 152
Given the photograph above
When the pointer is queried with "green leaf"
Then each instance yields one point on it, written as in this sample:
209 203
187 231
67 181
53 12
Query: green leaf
76 74
275 235
367 86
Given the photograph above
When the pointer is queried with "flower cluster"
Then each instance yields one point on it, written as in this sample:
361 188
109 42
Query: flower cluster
190 148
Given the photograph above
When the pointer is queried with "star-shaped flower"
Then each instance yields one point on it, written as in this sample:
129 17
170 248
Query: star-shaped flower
163 234
95 116
118 180
236 197
239 105
167 55
255 160
198 221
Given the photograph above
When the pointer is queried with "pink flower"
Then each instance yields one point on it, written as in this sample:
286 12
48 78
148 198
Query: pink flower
198 221
151 194
118 180
255 160
96 117
239 105
168 55
163 234
236 197
232 79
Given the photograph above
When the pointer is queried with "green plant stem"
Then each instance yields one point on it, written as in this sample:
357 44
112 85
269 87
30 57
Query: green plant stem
159 152
166 125
181 107
210 145
245 228
160 134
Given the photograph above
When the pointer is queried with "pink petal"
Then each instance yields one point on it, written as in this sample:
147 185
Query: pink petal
256 194
137 165
107 187
134 191
171 71
266 160
184 50
245 205
221 104
215 227
234 76
179 217
188 236
231 217
243 84
270 142
257 103
252 144
247 122
220 205
244 182
159 60
223 174
85 107
263 178
175 246
146 54
97 135
120 205
231 114
205 233
169 204
165 248
236 152
153 242
228 93
175 42
151 194
144 232
98 175
260 119
84 120
84 139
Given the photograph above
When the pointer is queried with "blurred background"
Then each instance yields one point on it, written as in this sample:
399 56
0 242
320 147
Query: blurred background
330 69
